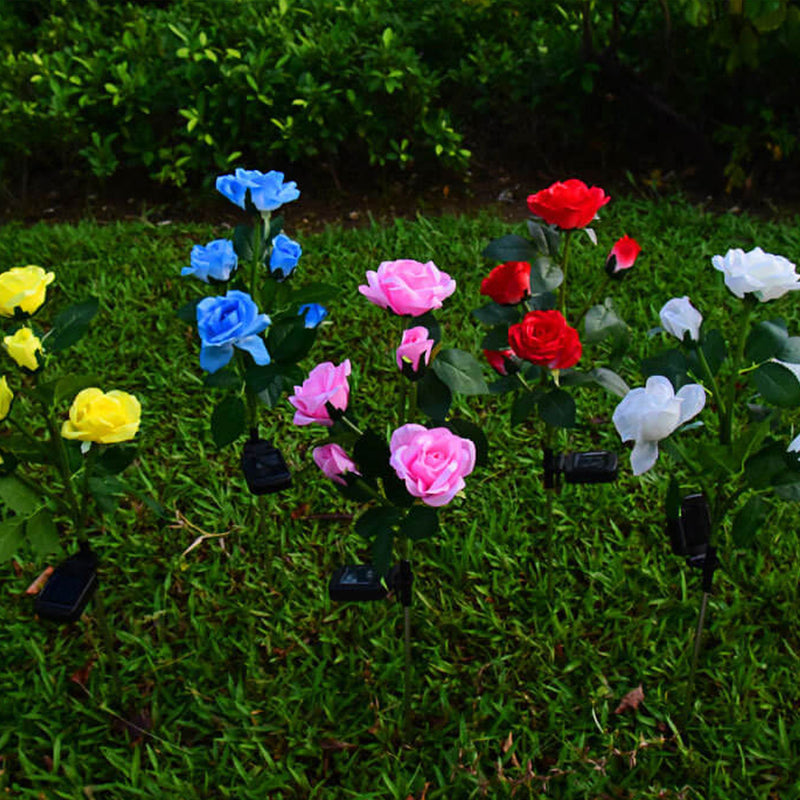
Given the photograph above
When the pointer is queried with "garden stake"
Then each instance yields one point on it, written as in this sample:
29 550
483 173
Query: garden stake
108 641
403 582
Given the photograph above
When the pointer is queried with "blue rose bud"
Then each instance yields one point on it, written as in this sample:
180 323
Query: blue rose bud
314 314
215 260
267 191
229 321
284 257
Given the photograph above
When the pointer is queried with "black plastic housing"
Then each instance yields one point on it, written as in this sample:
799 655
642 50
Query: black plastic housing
356 583
264 467
69 588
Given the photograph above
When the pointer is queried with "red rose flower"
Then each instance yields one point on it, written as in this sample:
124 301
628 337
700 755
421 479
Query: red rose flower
622 256
571 204
544 338
499 360
509 283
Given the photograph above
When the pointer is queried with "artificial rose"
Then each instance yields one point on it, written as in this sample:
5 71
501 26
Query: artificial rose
24 288
622 256
432 462
545 338
767 276
415 346
24 347
6 397
102 417
794 445
649 414
571 204
679 316
509 283
215 260
284 256
500 360
325 383
334 462
229 321
267 190
314 313
408 287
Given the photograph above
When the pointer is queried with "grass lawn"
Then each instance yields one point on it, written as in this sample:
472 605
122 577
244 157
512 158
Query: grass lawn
240 679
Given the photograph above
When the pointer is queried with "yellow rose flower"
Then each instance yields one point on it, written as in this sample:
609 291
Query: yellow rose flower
24 288
23 347
105 418
6 396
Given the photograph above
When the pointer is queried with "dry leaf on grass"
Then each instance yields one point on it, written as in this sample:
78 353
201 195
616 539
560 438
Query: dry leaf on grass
631 700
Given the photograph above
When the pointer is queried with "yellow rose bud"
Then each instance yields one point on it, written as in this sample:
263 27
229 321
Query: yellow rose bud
23 288
6 396
23 347
105 418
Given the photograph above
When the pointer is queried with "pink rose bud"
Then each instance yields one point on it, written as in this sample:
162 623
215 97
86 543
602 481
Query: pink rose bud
415 347
622 256
408 287
325 383
334 462
432 462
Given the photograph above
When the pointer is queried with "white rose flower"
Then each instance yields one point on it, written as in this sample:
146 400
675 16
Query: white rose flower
679 316
647 415
765 275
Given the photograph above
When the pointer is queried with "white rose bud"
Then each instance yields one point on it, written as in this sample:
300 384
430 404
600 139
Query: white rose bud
679 316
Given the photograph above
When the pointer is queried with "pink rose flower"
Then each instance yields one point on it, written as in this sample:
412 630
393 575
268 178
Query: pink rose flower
325 383
432 463
408 287
414 347
334 462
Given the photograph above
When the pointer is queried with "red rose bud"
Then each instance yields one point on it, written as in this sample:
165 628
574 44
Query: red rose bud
501 361
622 256
544 338
509 283
571 204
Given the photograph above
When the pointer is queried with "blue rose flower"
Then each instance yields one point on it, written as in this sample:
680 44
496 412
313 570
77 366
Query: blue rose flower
215 260
229 321
284 256
314 314
267 191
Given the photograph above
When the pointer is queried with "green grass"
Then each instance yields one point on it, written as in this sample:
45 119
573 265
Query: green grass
249 683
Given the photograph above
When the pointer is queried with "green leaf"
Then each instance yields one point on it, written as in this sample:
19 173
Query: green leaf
10 537
714 349
601 321
523 406
421 522
275 226
70 385
765 340
382 551
469 430
243 242
557 408
671 364
116 458
771 466
223 379
777 385
748 520
429 321
288 339
790 351
539 238
372 454
545 276
610 381
496 339
228 421
42 533
395 490
315 293
494 313
460 371
509 248
267 382
18 496
673 504
433 396
70 325
188 312
376 520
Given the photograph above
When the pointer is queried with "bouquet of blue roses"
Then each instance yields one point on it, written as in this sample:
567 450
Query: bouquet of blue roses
251 356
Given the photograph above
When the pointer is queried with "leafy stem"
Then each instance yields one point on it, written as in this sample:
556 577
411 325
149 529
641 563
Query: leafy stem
726 431
564 269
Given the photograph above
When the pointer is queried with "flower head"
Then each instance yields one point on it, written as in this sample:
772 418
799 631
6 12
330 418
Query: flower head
267 190
408 287
105 418
501 361
649 414
508 283
229 321
314 313
6 398
545 338
215 260
414 351
334 462
23 288
284 256
571 204
766 276
622 256
25 348
432 462
325 384
679 317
